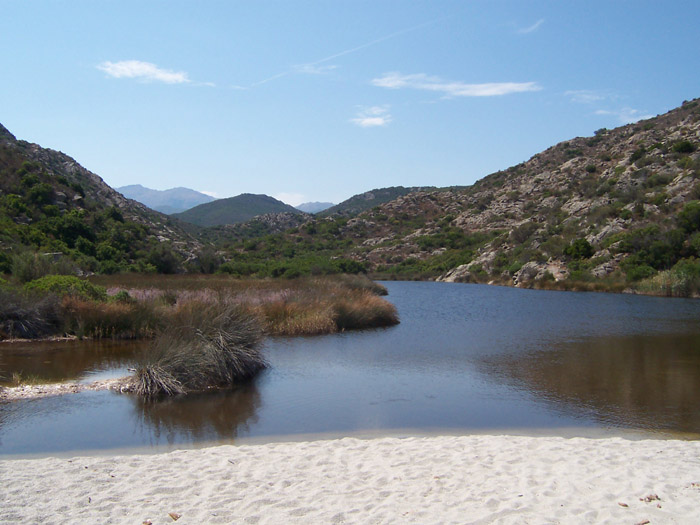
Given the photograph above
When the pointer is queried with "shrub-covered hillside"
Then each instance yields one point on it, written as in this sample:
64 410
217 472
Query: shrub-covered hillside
52 206
616 209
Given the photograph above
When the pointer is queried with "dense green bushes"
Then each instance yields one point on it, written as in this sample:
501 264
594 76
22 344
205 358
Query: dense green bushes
63 285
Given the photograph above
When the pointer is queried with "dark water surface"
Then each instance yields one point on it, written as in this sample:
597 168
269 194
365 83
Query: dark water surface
465 359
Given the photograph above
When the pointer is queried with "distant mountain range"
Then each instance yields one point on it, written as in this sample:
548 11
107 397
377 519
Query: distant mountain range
170 201
233 210
314 207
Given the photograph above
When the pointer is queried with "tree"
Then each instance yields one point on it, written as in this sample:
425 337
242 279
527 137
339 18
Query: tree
579 249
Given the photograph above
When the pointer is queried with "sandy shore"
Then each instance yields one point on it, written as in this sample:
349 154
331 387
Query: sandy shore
471 479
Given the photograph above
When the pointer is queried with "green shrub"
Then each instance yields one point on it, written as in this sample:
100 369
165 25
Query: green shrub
689 217
28 266
63 285
683 146
579 249
638 154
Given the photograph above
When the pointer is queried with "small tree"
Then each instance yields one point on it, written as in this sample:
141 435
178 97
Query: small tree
579 249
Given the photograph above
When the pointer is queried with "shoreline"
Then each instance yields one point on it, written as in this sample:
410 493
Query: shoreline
8 394
451 479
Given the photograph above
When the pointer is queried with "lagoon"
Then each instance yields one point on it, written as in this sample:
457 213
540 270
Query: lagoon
465 359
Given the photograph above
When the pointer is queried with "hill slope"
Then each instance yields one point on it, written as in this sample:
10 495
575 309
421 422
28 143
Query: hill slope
620 206
174 200
234 210
369 199
50 203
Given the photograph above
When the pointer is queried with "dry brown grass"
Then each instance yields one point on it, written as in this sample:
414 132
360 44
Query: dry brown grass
309 306
116 320
205 345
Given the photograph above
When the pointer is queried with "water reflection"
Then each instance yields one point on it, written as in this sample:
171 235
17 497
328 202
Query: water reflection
213 415
466 358
55 361
650 382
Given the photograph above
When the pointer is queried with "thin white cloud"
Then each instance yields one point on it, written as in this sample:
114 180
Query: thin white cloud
313 69
293 199
144 71
531 29
210 193
586 96
372 117
425 82
625 115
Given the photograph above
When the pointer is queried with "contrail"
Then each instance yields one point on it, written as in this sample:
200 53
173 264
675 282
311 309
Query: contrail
352 50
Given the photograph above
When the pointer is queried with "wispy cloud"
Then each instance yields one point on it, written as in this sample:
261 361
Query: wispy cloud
313 69
586 96
144 71
531 29
210 193
316 68
625 115
372 117
449 89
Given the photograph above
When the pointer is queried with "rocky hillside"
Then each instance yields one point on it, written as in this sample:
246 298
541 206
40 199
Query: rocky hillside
50 203
621 191
369 199
619 206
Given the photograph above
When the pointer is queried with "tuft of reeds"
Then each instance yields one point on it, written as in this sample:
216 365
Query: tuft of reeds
207 345
363 310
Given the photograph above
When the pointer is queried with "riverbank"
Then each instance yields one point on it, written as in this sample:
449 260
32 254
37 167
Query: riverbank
475 479
16 393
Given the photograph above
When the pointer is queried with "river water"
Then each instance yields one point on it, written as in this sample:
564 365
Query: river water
465 359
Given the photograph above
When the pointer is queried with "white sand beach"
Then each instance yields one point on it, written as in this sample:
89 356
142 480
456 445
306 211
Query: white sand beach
469 479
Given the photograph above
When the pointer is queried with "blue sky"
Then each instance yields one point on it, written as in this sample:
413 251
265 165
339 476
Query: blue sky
320 100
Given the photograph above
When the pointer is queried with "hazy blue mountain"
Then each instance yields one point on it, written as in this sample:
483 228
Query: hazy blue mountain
234 210
170 201
314 207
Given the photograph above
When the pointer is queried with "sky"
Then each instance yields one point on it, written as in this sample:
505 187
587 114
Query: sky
322 100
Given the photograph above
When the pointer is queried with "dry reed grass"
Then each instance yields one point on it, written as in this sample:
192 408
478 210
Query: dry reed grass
308 306
207 346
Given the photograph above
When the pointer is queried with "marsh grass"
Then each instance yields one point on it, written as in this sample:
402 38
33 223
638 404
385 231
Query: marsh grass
305 306
26 316
207 346
670 283
138 306
112 319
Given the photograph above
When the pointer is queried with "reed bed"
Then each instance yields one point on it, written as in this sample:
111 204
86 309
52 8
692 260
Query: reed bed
139 306
308 306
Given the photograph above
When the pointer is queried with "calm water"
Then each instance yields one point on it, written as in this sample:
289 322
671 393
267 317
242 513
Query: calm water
465 359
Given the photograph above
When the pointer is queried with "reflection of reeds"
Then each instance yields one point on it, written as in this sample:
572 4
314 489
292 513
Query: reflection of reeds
207 345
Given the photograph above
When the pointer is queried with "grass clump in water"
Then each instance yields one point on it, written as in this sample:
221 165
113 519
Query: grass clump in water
209 346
